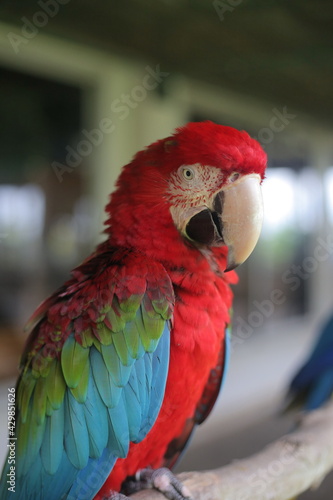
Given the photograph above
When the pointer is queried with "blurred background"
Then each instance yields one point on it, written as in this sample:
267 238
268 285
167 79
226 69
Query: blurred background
85 84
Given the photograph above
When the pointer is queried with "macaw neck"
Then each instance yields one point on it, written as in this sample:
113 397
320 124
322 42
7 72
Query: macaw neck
151 231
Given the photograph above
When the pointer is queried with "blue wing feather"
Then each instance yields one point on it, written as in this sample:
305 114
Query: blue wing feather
139 377
96 418
52 446
56 485
89 480
134 414
159 365
108 391
119 431
76 438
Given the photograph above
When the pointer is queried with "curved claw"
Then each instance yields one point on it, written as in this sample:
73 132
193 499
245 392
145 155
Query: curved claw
165 482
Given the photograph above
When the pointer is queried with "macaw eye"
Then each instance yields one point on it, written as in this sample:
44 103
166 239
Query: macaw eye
234 176
188 173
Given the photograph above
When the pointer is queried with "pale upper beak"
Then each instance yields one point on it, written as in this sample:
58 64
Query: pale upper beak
234 219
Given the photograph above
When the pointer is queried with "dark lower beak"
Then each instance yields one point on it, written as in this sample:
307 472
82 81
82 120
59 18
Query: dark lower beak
205 228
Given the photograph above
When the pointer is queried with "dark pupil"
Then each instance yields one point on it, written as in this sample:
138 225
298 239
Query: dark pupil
188 173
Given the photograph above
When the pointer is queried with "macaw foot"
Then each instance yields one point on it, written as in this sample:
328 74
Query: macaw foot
161 479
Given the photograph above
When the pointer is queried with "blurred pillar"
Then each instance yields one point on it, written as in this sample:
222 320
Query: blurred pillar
321 301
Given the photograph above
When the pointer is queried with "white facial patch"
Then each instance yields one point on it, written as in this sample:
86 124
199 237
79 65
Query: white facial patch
191 189
193 185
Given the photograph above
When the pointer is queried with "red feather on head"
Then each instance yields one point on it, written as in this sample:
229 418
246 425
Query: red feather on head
205 142
218 145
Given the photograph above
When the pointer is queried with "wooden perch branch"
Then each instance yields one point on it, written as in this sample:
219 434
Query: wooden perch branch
282 470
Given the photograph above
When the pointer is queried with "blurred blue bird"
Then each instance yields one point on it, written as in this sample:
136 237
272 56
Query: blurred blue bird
312 385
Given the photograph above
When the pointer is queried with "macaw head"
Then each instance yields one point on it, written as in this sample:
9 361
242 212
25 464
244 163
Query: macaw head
205 180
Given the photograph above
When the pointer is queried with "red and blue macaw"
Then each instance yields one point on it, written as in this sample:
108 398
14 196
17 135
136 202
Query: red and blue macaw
128 356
